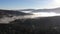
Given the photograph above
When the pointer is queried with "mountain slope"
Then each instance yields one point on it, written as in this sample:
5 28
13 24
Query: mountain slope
57 10
12 13
46 25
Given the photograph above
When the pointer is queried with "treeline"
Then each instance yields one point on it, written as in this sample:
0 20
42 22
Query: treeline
48 25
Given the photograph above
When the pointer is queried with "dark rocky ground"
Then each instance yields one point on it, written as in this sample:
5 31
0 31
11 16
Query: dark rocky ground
48 25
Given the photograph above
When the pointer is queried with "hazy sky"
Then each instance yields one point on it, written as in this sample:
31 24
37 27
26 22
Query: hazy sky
34 4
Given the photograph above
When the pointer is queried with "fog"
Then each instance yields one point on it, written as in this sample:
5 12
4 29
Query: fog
46 14
35 15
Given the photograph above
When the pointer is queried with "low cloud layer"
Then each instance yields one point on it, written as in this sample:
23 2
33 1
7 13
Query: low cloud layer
35 15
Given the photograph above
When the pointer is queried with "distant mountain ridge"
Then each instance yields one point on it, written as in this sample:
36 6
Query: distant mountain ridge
12 12
32 10
57 10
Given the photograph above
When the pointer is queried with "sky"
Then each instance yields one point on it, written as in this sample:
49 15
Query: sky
29 4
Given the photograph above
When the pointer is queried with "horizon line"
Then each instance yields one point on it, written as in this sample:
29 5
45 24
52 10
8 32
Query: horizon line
27 8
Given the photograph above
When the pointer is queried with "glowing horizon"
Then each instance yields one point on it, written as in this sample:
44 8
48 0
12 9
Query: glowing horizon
29 4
